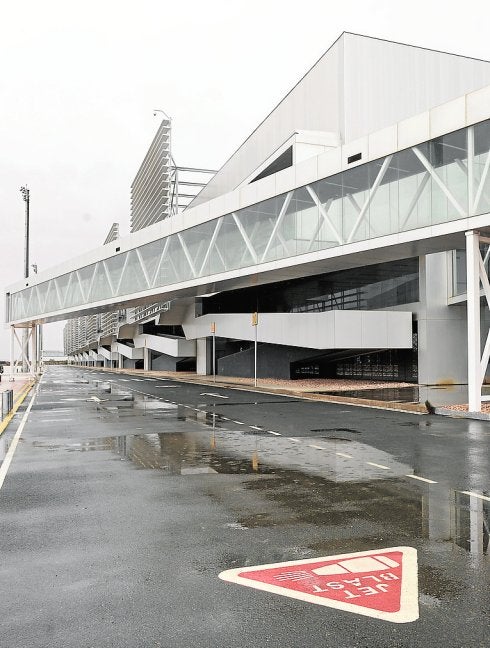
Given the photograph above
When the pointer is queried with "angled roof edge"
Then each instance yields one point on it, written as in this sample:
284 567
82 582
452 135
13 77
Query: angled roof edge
420 47
208 192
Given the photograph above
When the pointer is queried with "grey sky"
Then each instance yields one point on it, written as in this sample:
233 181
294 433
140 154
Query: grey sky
79 82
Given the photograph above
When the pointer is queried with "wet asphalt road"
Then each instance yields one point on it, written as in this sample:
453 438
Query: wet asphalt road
126 499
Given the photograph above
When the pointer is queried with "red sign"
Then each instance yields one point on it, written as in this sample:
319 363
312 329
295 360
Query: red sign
381 584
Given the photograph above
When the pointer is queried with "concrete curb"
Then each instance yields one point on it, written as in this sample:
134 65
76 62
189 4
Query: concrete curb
405 408
476 416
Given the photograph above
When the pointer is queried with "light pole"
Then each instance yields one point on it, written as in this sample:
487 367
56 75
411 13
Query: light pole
25 196
25 336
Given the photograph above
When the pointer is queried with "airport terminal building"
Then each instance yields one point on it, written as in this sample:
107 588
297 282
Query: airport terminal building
352 222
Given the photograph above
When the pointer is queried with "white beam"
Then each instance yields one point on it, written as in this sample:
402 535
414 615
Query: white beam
244 235
439 182
473 320
371 194
324 213
278 223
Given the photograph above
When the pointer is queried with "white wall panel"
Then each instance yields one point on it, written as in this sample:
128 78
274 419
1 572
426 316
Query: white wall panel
348 329
448 117
386 82
413 130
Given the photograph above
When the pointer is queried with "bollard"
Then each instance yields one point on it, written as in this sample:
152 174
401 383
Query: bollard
7 403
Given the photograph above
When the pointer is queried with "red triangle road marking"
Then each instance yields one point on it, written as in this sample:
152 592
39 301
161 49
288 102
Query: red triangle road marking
381 583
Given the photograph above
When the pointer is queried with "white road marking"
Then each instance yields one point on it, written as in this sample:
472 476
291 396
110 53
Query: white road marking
213 395
428 481
345 455
472 494
275 433
293 439
225 418
238 422
378 465
58 420
8 459
317 447
254 427
137 379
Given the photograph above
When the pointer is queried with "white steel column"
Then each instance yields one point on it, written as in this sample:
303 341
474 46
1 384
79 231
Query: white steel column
12 344
34 364
473 320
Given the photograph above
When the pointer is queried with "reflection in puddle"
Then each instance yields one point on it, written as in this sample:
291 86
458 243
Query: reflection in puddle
456 516
174 454
314 482
347 510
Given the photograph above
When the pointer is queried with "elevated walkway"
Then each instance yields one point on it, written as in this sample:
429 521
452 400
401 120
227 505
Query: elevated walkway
410 189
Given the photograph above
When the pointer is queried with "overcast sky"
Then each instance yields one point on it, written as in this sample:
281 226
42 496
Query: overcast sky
79 81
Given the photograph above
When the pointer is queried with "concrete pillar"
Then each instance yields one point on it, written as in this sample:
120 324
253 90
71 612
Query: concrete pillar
147 359
120 361
201 357
441 328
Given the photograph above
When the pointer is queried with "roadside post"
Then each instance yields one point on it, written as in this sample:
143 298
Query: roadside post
255 323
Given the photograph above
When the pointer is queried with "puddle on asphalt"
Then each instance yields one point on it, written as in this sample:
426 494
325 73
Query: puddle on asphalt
437 395
357 511
352 504
174 454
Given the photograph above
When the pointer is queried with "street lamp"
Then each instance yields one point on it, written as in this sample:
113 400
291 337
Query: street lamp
25 197
159 110
25 336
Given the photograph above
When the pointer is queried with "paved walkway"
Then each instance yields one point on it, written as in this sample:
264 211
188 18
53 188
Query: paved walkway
21 385
17 384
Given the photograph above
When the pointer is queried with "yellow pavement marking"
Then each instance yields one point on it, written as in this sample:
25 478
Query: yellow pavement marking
8 459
